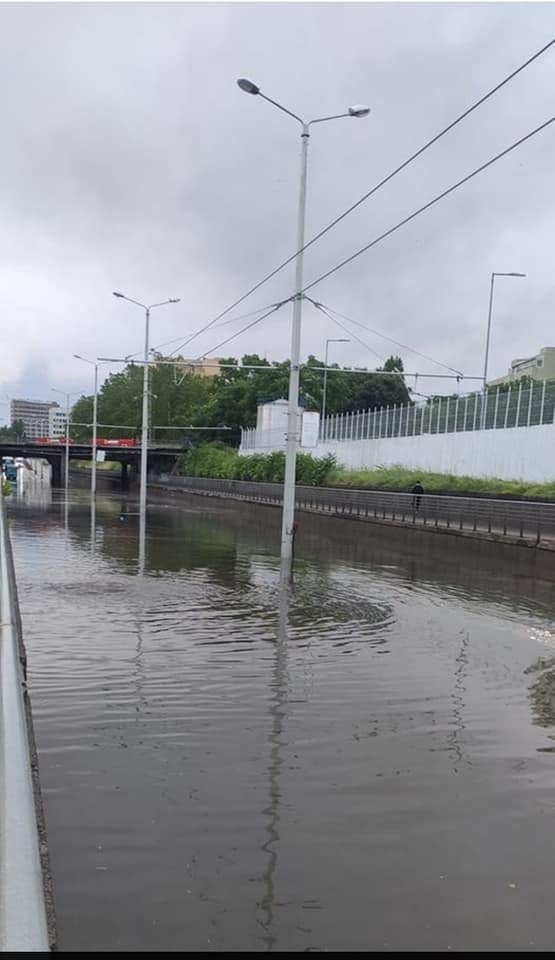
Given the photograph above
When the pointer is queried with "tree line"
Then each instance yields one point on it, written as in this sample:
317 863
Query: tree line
182 399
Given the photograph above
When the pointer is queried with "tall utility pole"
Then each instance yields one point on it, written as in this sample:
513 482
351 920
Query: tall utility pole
288 515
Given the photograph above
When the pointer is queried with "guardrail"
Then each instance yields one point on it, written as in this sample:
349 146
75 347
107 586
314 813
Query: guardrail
23 923
528 521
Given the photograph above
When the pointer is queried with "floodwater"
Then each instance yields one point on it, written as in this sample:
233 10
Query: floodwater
367 766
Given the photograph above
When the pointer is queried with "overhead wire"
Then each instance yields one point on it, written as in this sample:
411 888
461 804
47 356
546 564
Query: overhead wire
383 336
414 156
426 206
322 309
244 329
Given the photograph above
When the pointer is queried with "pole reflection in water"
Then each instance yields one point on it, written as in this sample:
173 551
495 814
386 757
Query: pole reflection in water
277 715
93 526
454 739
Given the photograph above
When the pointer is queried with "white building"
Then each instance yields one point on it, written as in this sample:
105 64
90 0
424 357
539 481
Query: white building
57 418
270 433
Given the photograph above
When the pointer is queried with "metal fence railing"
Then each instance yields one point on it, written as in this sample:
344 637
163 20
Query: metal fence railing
507 406
512 406
532 521
23 923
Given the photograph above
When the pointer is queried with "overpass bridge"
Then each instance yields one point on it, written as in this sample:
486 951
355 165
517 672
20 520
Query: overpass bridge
161 457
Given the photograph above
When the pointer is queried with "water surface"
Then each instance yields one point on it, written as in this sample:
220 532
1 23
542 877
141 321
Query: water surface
366 767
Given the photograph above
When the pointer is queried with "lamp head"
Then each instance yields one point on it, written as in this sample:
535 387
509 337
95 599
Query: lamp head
248 86
359 110
116 294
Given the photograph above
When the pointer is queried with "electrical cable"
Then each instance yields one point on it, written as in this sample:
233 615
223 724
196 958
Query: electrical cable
404 346
427 206
373 190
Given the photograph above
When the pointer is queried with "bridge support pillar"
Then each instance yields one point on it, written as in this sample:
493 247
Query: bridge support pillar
57 471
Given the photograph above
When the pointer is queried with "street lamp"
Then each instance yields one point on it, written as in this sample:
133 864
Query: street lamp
144 426
288 516
324 392
95 418
488 333
67 396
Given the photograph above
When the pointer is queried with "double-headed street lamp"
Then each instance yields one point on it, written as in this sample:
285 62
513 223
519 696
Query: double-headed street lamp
288 516
94 364
144 427
324 391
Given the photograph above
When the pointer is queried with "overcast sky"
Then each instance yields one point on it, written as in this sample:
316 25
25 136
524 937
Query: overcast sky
131 161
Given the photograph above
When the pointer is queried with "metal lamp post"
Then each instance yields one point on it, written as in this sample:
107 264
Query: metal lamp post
288 515
144 426
488 333
324 391
95 420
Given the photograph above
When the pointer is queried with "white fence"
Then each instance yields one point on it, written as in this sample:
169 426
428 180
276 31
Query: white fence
499 410
514 454
506 434
503 409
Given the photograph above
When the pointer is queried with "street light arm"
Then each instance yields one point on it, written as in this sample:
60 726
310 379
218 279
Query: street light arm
121 296
336 116
162 303
282 108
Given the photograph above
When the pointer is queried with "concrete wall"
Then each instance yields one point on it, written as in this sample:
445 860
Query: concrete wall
521 453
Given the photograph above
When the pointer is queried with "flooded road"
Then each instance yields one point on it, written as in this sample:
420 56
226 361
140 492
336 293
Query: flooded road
370 766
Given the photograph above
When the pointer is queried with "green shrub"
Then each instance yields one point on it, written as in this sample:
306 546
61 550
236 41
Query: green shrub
401 478
221 462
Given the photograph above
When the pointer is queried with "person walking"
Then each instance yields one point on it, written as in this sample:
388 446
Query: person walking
417 492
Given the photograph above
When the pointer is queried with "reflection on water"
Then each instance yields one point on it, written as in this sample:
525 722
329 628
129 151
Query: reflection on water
358 765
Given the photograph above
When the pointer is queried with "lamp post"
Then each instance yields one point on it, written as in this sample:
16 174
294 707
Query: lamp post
95 420
488 333
324 391
67 396
144 426
288 515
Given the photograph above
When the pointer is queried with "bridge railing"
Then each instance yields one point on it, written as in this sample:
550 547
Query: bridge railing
23 923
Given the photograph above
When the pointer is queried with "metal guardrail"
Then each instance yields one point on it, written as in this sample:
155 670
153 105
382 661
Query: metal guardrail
23 923
530 521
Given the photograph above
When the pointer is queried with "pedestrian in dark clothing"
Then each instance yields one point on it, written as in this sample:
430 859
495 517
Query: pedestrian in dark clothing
417 492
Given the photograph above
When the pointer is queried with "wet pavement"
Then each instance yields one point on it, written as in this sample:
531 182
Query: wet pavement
368 765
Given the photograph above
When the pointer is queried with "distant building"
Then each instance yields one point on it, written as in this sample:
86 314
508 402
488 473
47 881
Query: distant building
57 418
539 367
209 367
35 416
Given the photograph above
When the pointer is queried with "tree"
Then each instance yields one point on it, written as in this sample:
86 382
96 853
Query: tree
230 399
15 432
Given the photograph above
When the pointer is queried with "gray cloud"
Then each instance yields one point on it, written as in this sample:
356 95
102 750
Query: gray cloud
132 161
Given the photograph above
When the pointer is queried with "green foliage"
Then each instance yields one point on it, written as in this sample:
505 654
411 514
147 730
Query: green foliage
215 460
181 399
6 487
402 479
15 432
